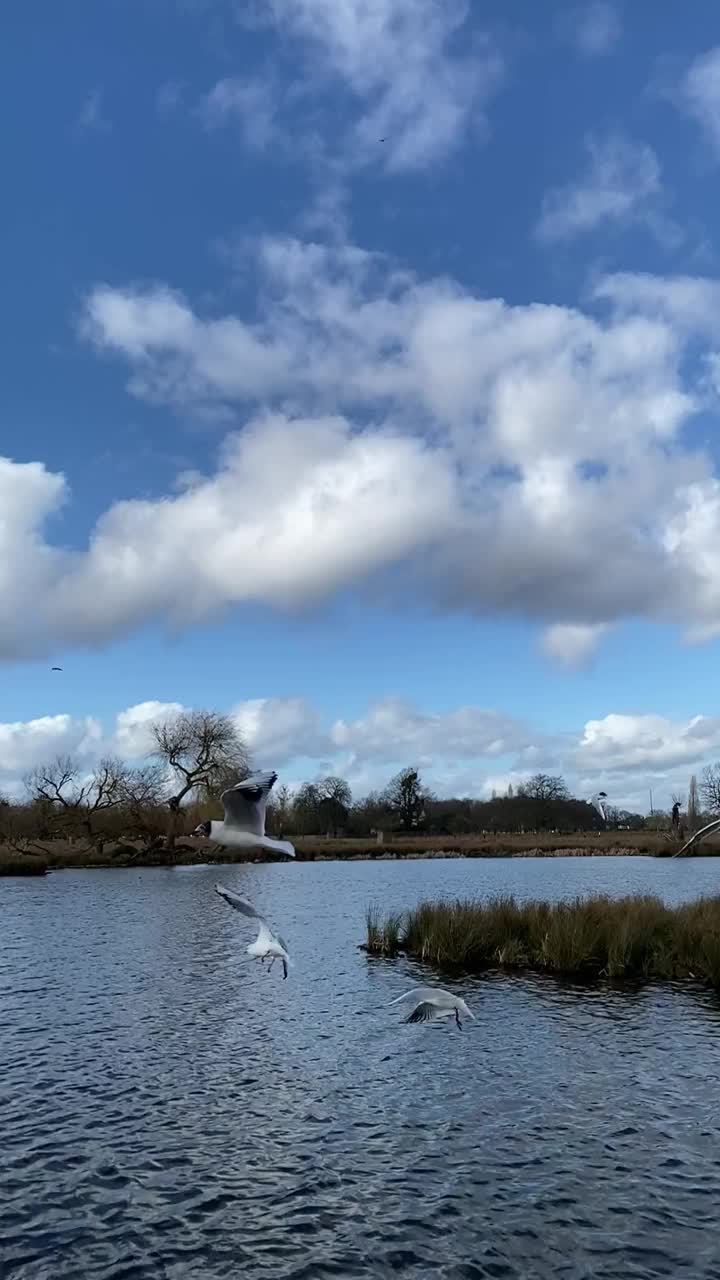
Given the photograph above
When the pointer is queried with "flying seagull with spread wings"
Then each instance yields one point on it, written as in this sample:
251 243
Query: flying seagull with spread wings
430 1003
267 943
599 802
244 823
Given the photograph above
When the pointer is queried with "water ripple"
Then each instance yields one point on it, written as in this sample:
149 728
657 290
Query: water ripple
171 1111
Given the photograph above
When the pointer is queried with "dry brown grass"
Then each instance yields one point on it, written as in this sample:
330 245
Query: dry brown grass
607 843
61 853
598 937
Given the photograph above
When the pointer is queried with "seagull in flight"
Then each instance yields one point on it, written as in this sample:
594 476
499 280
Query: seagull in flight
56 668
430 1003
267 943
600 803
244 823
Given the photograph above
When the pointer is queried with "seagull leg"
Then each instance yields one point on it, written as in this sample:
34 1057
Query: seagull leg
272 961
457 1019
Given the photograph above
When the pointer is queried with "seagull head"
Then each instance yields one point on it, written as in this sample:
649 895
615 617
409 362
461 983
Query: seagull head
203 829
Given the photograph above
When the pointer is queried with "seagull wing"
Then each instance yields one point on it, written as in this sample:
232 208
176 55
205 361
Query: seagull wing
599 803
425 1012
246 802
239 904
420 994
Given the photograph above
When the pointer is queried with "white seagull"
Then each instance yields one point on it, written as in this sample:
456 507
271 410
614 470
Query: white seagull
267 943
600 803
244 824
433 1002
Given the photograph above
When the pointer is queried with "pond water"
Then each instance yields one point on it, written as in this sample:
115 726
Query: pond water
172 1110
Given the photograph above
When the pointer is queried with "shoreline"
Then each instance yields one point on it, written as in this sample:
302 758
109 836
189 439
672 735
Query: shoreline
62 855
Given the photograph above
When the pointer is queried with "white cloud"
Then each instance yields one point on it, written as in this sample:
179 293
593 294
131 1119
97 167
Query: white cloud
25 744
133 727
396 58
690 304
466 750
572 644
621 185
394 730
280 729
594 27
92 118
699 93
526 459
620 744
250 104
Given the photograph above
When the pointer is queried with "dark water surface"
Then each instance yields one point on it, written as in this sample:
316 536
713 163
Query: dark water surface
170 1110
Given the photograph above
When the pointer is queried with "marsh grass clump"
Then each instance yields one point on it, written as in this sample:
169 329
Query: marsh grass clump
19 864
383 932
595 937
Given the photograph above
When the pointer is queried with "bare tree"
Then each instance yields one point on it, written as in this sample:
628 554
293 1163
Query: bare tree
710 787
280 807
693 804
143 801
203 750
335 802
306 808
544 786
73 798
406 796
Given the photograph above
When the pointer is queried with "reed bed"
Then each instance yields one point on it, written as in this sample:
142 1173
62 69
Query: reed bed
18 864
590 938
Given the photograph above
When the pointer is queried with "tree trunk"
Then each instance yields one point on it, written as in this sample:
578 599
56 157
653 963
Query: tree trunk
173 822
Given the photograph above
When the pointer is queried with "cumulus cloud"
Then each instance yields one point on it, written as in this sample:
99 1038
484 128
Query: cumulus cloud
620 185
413 78
133 728
699 93
527 459
690 304
282 729
621 744
393 729
251 105
25 744
594 28
572 644
466 750
92 118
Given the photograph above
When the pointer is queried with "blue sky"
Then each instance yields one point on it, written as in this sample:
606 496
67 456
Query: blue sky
367 359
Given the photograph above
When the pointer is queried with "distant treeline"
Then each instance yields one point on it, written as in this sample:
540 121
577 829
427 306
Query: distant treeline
196 755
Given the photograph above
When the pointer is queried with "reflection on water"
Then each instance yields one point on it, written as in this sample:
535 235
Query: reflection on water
170 1110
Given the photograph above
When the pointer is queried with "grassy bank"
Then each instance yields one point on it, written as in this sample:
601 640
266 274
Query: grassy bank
600 937
18 864
60 853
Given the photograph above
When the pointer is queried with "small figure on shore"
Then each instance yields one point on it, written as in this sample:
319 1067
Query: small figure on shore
676 816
